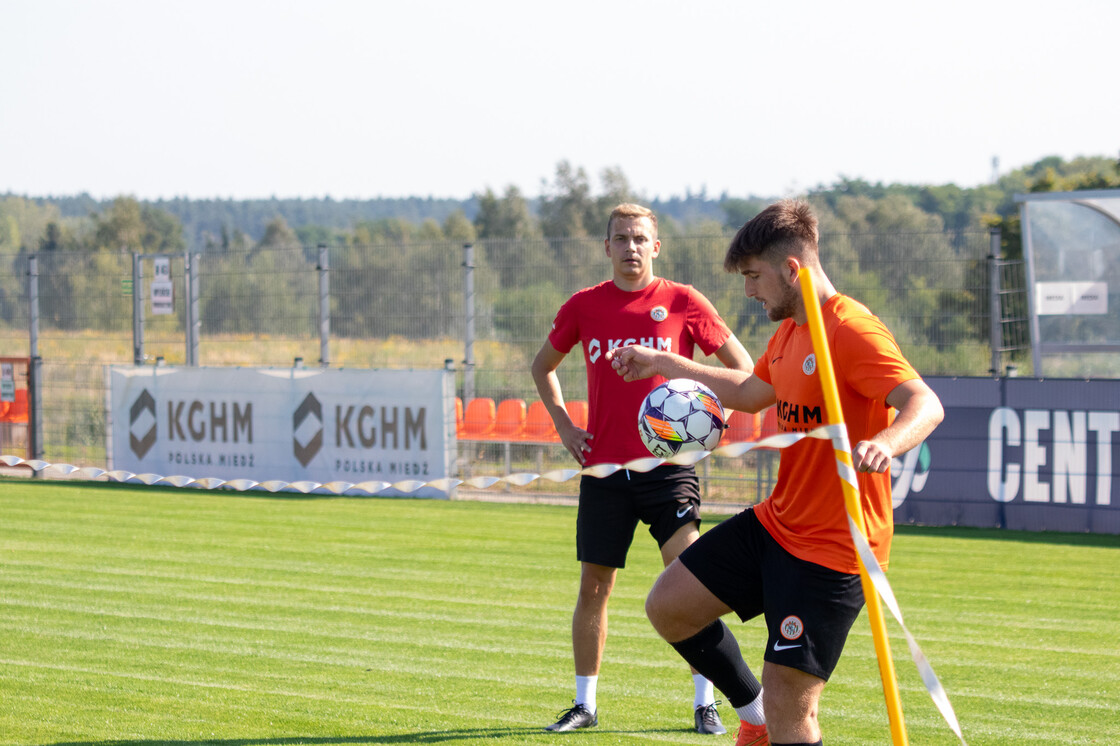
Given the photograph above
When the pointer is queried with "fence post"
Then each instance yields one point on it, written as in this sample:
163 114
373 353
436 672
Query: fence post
194 325
188 328
324 307
468 332
35 372
995 306
137 310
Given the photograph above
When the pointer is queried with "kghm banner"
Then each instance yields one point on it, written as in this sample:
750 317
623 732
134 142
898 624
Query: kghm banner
289 424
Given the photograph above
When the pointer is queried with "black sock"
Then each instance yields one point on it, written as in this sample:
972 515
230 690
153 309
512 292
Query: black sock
714 652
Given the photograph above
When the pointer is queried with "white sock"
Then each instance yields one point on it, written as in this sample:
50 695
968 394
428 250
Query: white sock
752 713
705 692
585 691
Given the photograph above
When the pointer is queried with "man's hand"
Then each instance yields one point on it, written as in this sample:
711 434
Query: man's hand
919 412
577 441
869 456
633 362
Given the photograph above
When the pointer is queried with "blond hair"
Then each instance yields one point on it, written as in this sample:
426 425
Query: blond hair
630 210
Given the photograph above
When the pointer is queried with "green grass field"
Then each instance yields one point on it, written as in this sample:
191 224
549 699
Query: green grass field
158 616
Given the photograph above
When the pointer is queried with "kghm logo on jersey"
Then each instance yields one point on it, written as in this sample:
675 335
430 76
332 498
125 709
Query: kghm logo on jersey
594 350
809 365
659 313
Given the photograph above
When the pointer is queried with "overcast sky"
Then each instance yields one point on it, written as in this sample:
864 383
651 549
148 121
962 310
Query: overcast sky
260 98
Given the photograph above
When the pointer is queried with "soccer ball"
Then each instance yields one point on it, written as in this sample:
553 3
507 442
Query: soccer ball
680 415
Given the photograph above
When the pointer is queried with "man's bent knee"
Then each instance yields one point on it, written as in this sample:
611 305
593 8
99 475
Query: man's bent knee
679 606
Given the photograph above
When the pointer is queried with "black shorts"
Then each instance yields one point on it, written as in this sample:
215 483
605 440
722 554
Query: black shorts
664 498
809 608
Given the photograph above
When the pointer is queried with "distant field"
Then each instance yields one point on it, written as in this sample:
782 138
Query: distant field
146 616
88 347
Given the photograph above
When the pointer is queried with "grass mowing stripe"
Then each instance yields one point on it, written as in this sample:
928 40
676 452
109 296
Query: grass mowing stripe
146 616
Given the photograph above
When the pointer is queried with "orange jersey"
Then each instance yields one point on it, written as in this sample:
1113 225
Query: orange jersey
805 513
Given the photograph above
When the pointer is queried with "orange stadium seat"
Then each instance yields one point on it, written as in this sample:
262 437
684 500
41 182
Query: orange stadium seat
577 410
17 410
538 424
509 422
478 419
742 427
458 417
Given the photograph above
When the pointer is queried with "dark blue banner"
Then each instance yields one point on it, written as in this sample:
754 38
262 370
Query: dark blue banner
1036 455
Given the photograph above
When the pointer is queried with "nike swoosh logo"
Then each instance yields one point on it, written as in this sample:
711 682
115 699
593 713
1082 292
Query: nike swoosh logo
779 648
684 511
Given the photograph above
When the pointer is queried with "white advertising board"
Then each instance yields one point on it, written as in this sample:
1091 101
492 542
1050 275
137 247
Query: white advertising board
1071 298
284 424
162 291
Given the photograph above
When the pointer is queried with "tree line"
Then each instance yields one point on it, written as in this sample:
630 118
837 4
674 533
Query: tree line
569 206
900 245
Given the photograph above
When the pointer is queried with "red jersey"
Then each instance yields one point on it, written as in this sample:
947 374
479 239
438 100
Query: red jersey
665 315
805 513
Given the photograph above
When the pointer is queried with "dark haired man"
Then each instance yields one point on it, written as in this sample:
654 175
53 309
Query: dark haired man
790 557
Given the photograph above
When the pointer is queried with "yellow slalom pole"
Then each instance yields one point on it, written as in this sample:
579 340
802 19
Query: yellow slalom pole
852 504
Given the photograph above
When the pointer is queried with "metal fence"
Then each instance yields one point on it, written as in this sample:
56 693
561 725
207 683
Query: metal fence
483 309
